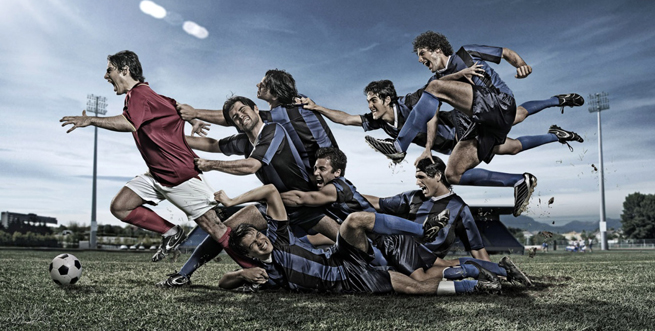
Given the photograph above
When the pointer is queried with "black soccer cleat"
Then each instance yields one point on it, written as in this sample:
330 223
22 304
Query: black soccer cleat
484 274
169 244
175 280
565 136
522 193
386 147
513 272
570 99
433 224
488 287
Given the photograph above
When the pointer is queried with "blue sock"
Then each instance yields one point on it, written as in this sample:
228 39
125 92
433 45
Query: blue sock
417 120
460 272
528 142
536 106
389 225
481 177
205 252
465 286
494 268
305 240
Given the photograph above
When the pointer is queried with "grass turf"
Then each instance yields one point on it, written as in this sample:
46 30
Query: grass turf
573 291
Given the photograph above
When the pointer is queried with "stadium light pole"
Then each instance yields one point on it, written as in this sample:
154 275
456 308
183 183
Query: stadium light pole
95 104
598 103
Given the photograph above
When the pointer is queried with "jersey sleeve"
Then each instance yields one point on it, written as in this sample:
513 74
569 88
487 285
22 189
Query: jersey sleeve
237 144
344 193
368 123
472 233
278 232
137 111
396 205
485 53
268 143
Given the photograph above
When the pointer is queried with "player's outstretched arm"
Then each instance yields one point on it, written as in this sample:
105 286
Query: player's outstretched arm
114 123
295 198
203 144
268 193
234 279
522 69
212 116
234 167
336 116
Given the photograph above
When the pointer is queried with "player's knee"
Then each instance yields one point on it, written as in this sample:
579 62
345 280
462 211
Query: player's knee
356 220
118 210
434 86
452 176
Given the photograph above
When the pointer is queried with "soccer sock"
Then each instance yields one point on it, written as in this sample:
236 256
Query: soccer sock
481 177
417 120
536 106
461 272
389 225
305 240
465 286
205 252
528 142
147 219
446 287
494 268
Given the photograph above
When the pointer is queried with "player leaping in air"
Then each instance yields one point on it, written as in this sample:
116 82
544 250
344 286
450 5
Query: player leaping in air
465 81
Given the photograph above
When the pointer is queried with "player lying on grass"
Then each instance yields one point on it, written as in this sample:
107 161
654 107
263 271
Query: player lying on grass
340 199
344 268
465 81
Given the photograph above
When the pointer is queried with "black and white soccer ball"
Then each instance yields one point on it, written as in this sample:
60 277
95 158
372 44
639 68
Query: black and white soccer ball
65 269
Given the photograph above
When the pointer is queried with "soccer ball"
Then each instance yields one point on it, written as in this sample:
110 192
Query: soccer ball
65 269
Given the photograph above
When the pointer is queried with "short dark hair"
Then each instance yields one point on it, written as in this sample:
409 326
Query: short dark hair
432 41
337 158
281 85
432 169
130 60
236 237
383 88
229 103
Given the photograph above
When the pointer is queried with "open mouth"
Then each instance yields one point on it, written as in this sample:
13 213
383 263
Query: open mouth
424 189
319 182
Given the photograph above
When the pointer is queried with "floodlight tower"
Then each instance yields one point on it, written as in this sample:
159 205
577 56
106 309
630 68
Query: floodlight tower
98 105
599 102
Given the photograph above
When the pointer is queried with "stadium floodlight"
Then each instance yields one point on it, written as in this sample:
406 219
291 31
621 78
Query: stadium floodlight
597 103
97 105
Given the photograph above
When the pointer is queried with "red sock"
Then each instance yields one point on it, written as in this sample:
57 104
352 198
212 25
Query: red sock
148 219
244 262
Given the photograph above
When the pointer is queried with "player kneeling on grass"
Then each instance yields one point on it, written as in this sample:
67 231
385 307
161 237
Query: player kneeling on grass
343 268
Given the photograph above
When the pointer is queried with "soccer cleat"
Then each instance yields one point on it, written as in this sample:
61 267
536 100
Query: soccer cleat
513 272
484 274
175 280
489 287
522 192
169 243
433 224
386 147
570 99
565 136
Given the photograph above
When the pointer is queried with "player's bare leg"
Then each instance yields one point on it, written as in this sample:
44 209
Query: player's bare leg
124 203
463 157
327 227
455 93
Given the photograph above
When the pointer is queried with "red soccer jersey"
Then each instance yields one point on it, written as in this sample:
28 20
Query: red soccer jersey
159 135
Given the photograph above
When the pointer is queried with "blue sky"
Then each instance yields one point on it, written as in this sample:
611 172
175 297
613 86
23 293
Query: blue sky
54 54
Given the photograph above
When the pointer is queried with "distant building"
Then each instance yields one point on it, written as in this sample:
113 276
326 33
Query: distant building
25 221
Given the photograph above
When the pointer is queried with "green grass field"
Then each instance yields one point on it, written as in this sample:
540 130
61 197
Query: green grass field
594 291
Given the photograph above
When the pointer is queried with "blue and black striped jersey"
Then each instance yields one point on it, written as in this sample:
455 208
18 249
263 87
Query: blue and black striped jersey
307 129
282 165
297 266
413 205
348 200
